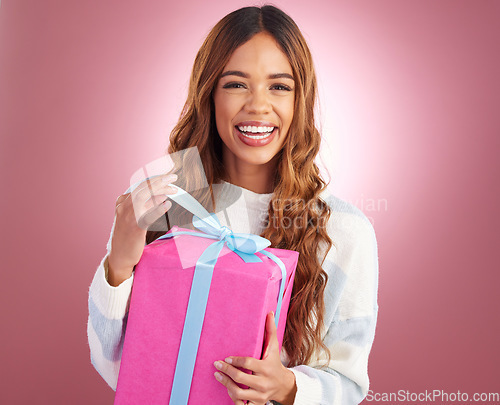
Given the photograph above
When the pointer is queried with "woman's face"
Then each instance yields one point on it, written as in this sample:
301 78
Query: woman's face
254 101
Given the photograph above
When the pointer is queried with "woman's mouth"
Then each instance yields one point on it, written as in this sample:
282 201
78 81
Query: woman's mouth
255 135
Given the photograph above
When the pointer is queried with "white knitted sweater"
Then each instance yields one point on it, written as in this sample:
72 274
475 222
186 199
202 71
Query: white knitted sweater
350 301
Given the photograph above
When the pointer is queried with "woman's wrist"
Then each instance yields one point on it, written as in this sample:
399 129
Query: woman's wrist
289 388
116 276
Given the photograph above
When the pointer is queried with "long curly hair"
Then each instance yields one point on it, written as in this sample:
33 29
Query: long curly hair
297 215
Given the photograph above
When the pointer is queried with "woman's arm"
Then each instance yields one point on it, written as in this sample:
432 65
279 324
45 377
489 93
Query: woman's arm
351 313
345 381
109 294
108 308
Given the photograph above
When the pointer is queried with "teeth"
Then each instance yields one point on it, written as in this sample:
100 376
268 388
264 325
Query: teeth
257 136
255 130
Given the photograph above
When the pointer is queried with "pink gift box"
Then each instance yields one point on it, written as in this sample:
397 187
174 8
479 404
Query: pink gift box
241 295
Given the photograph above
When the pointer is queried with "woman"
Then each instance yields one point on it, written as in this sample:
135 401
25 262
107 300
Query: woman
250 113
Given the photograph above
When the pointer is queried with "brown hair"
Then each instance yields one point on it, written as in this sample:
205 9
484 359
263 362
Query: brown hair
297 183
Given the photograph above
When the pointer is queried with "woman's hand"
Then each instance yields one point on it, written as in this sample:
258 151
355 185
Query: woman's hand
270 379
135 212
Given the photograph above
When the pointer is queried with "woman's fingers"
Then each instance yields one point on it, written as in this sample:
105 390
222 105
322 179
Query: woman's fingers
235 374
158 197
271 337
121 198
153 214
148 199
230 375
248 363
235 392
152 187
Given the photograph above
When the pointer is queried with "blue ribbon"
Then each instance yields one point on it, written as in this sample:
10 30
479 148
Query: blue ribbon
244 245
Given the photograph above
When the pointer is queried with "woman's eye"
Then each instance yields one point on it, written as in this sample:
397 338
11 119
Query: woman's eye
280 87
233 86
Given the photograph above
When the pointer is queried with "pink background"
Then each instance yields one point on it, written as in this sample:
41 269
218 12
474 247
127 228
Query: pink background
410 101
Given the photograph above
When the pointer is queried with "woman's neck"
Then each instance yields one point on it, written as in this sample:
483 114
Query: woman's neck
256 178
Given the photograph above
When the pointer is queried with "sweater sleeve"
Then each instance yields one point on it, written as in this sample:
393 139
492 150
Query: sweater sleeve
350 313
108 310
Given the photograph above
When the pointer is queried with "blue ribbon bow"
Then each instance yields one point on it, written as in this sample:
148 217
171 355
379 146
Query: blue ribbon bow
244 245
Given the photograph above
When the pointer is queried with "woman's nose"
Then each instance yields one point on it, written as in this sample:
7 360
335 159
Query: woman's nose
258 102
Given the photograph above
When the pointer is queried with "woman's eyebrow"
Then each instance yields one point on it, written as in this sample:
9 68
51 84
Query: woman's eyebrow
280 76
247 76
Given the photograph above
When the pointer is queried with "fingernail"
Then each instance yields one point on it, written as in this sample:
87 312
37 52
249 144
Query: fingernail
228 360
172 190
218 365
218 376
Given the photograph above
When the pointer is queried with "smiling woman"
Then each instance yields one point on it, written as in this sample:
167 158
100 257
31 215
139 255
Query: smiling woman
250 113
254 103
